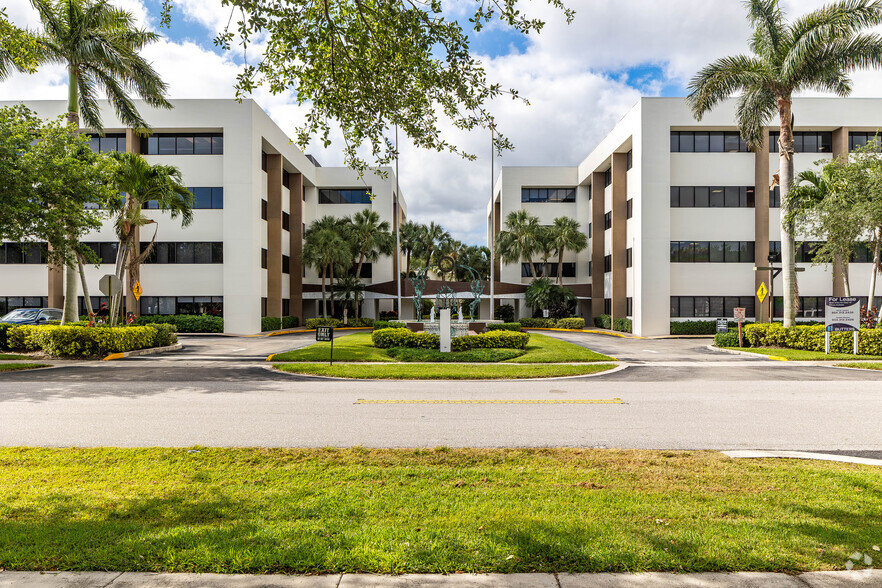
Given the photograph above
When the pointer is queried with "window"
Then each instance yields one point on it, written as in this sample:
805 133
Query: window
204 198
607 306
109 142
286 264
710 306
184 252
106 251
809 306
805 141
264 207
629 257
859 139
548 194
183 144
345 196
30 253
263 258
863 253
607 177
629 306
629 208
10 303
805 251
713 197
707 142
775 197
263 305
607 221
547 270
263 160
286 221
712 251
589 191
286 306
589 230
629 159
607 263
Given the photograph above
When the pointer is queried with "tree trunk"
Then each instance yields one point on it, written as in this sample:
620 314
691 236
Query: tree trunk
877 238
560 268
331 284
535 267
845 276
85 285
70 313
324 300
407 272
788 246
358 280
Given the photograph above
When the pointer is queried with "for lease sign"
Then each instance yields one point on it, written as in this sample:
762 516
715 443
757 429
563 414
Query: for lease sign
842 313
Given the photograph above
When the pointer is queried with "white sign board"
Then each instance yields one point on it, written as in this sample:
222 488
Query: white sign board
842 313
740 315
444 330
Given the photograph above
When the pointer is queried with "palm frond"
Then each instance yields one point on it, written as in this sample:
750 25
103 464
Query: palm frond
89 110
721 79
753 111
767 21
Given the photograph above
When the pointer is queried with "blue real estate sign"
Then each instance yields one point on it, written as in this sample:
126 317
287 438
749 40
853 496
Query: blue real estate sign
842 313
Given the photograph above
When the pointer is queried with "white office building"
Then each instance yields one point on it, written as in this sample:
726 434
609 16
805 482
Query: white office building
678 213
255 195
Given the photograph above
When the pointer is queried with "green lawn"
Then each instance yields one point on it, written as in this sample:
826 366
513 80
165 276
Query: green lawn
801 354
359 347
471 356
11 367
442 510
12 356
442 371
863 366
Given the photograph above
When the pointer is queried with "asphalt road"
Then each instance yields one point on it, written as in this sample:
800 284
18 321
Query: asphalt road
218 391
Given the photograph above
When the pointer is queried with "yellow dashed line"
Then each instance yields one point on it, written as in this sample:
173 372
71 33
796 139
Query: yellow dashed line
601 401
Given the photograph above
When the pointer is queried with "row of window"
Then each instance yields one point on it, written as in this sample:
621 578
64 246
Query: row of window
329 196
186 252
712 251
710 306
629 306
548 194
203 198
109 142
712 197
707 142
805 141
213 305
548 270
860 138
10 303
22 253
183 144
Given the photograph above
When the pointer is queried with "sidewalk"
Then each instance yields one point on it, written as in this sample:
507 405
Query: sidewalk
863 578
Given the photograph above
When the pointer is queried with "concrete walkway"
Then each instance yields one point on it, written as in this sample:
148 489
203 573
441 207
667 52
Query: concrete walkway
863 578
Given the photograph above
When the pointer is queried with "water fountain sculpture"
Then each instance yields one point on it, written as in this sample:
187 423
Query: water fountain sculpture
446 297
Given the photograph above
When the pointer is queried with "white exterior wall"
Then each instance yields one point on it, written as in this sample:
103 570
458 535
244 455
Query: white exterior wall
248 131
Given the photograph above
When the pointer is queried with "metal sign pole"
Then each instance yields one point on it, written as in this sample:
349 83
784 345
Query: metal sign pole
332 347
492 232
397 228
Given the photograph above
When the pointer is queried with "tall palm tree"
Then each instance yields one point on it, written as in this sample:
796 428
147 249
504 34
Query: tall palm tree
433 236
99 45
817 51
143 183
450 247
520 239
410 234
476 257
369 238
325 246
566 235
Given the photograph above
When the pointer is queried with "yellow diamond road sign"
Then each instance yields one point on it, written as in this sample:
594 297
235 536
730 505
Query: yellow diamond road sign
761 293
137 291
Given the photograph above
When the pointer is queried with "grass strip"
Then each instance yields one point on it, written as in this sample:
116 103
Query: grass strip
802 354
355 347
442 371
12 356
863 366
11 367
429 511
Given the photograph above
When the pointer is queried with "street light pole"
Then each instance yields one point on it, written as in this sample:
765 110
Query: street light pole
397 221
492 232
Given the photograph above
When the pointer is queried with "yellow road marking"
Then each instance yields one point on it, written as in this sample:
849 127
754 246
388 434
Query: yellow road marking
114 356
778 358
580 401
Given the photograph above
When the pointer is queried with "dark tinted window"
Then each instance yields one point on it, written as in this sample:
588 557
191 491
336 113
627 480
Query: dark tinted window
548 194
344 196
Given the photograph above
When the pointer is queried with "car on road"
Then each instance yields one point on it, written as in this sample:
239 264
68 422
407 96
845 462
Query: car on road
32 316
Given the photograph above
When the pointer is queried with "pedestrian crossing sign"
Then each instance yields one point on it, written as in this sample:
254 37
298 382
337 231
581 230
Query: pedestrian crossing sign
137 291
761 292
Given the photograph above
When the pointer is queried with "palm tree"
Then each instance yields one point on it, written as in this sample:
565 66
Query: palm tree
520 239
370 237
816 52
143 183
448 247
476 257
325 246
410 234
433 236
99 45
350 288
566 234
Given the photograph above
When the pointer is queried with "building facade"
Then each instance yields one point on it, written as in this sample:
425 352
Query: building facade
255 195
679 212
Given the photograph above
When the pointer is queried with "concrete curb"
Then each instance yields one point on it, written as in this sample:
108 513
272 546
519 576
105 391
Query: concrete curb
149 351
843 579
759 454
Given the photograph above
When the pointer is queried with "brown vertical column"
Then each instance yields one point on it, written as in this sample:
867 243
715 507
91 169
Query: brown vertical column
56 286
840 151
133 145
274 236
295 186
619 234
598 192
761 222
497 228
396 222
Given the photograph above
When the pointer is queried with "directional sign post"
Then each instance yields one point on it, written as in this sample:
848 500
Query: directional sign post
740 314
326 334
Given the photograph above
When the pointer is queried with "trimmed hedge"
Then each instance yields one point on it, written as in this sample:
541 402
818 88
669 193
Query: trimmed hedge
570 323
504 313
388 315
185 323
70 341
503 327
811 338
323 322
290 322
387 338
603 321
388 325
623 325
729 339
4 327
537 323
270 323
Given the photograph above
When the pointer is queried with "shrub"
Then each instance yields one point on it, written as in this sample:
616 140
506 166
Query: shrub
571 323
4 327
185 323
623 325
386 338
491 340
388 325
603 321
726 339
504 327
504 312
388 315
290 322
270 323
700 327
323 322
811 338
71 341
537 323
362 322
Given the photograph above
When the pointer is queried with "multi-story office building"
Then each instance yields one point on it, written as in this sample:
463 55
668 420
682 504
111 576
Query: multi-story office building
679 212
255 193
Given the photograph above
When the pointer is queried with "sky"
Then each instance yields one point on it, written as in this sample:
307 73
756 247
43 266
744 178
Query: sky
580 79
